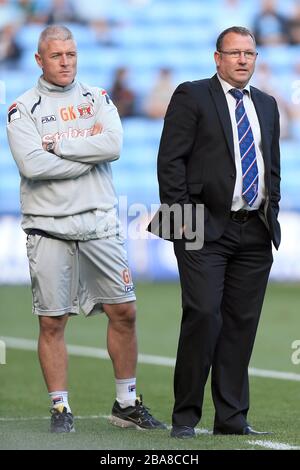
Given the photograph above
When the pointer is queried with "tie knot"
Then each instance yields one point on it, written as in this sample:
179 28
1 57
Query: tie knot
237 94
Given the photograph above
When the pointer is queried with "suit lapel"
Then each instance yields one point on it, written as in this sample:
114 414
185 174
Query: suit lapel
223 111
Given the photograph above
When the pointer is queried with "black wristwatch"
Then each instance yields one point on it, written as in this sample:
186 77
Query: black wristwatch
50 147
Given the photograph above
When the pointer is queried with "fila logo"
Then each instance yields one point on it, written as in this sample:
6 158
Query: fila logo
46 119
129 289
57 400
68 114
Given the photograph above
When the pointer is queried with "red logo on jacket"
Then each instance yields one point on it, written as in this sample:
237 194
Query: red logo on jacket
85 110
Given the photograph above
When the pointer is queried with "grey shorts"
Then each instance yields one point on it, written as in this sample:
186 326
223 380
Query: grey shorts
69 275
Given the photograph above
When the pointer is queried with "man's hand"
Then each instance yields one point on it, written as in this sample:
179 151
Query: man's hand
97 129
49 146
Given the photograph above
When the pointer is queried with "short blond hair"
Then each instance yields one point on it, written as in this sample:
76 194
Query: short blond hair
54 32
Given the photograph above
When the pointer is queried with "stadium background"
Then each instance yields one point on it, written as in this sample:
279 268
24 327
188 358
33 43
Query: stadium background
146 43
146 37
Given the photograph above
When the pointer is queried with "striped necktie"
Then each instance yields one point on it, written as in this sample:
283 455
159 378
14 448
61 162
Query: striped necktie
247 149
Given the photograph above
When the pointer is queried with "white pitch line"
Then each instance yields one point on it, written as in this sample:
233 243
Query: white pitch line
84 351
274 374
266 444
273 445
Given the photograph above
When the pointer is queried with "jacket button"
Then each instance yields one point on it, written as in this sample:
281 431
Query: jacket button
232 175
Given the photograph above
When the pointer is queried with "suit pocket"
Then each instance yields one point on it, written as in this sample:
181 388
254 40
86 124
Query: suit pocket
195 188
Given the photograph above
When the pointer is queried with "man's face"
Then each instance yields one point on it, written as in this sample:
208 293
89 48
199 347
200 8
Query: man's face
58 60
236 70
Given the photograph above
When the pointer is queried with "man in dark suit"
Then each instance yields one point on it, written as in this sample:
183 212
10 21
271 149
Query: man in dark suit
220 148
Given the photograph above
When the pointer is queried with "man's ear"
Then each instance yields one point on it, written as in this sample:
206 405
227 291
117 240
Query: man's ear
217 58
38 59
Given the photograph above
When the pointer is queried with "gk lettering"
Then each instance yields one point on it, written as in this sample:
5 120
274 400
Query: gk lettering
68 114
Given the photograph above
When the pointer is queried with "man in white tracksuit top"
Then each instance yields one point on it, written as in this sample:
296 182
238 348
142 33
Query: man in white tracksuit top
63 136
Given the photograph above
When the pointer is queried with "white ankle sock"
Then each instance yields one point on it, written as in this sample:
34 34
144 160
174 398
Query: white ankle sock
60 398
126 392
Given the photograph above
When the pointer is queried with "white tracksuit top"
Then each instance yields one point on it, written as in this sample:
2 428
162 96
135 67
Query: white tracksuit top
70 193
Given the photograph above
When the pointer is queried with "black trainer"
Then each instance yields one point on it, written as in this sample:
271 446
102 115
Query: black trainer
61 420
137 416
183 432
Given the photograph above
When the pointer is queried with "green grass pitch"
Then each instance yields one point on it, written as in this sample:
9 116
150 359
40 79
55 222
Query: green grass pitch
24 404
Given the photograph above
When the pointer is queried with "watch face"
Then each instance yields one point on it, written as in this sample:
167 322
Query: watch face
50 146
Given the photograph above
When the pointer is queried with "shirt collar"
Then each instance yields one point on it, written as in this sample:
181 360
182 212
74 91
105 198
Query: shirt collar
227 87
50 88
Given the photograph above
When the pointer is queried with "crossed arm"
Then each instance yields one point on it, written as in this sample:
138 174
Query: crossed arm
72 158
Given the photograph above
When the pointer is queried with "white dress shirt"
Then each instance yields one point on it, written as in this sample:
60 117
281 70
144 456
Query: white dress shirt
237 201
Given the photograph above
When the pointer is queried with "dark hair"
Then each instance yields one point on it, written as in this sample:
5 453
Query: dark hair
233 29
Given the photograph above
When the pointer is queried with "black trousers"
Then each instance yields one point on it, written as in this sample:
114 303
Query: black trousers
223 287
